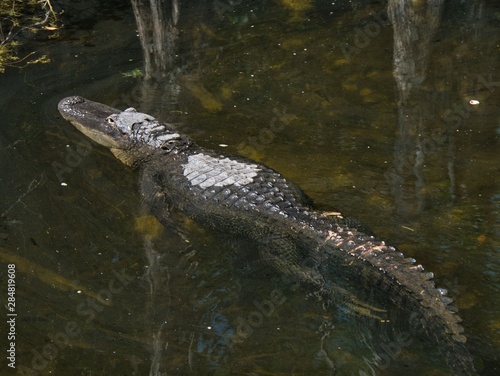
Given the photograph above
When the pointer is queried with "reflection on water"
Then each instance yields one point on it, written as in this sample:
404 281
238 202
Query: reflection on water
414 27
101 288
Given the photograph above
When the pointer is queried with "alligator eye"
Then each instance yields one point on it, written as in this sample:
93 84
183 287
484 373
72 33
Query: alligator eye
169 145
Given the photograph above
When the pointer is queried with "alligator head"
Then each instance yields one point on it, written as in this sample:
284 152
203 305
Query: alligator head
130 135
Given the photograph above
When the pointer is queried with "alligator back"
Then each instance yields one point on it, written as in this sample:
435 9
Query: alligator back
320 250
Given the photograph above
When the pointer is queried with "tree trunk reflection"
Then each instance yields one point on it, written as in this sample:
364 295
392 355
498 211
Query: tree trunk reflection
156 25
414 25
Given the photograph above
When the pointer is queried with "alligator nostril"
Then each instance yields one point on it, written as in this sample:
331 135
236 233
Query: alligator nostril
75 100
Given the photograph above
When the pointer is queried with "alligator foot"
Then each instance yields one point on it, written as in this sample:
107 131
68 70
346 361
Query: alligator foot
365 310
351 305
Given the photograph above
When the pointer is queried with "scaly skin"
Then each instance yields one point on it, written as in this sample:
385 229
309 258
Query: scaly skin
233 194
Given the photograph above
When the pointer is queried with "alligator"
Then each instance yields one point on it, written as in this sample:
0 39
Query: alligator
324 251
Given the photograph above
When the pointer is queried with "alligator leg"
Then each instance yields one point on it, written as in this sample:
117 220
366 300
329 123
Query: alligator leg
286 257
155 199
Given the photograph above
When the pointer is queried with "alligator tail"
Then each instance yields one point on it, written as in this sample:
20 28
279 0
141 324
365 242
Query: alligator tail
381 268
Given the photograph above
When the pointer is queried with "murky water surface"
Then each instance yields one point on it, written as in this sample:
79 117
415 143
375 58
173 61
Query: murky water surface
103 289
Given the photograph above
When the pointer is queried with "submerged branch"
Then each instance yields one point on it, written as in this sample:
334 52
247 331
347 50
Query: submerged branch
15 18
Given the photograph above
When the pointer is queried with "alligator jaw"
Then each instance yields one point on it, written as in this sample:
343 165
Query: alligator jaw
90 118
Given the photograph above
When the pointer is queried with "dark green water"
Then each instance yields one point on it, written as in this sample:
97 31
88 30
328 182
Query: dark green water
99 294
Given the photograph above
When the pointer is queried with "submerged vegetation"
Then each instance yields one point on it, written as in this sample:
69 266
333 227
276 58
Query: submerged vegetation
18 18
